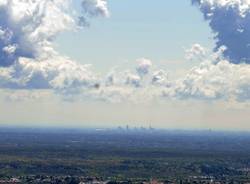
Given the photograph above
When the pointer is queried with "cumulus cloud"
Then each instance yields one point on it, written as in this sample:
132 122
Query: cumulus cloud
144 66
196 51
54 73
27 30
210 81
93 8
160 77
216 78
230 22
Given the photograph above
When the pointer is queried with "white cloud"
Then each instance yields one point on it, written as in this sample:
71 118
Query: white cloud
214 79
10 49
30 26
93 8
134 80
160 77
144 66
54 73
196 52
27 58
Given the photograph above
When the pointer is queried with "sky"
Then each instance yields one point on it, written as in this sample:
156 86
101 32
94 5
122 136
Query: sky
158 30
96 63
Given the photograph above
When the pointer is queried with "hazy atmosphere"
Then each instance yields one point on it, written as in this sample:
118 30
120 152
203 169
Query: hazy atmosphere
93 63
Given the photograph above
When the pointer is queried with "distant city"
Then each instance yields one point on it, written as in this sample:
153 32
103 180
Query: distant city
134 128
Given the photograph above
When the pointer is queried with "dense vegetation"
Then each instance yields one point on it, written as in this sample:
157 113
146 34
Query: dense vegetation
121 154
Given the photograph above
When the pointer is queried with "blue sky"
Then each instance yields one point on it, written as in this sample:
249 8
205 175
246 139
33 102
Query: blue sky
159 30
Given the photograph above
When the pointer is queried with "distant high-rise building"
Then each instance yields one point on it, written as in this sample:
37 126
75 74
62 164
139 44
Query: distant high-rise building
151 128
127 127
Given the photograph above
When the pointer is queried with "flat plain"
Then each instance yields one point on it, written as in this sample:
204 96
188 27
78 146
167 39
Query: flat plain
121 154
